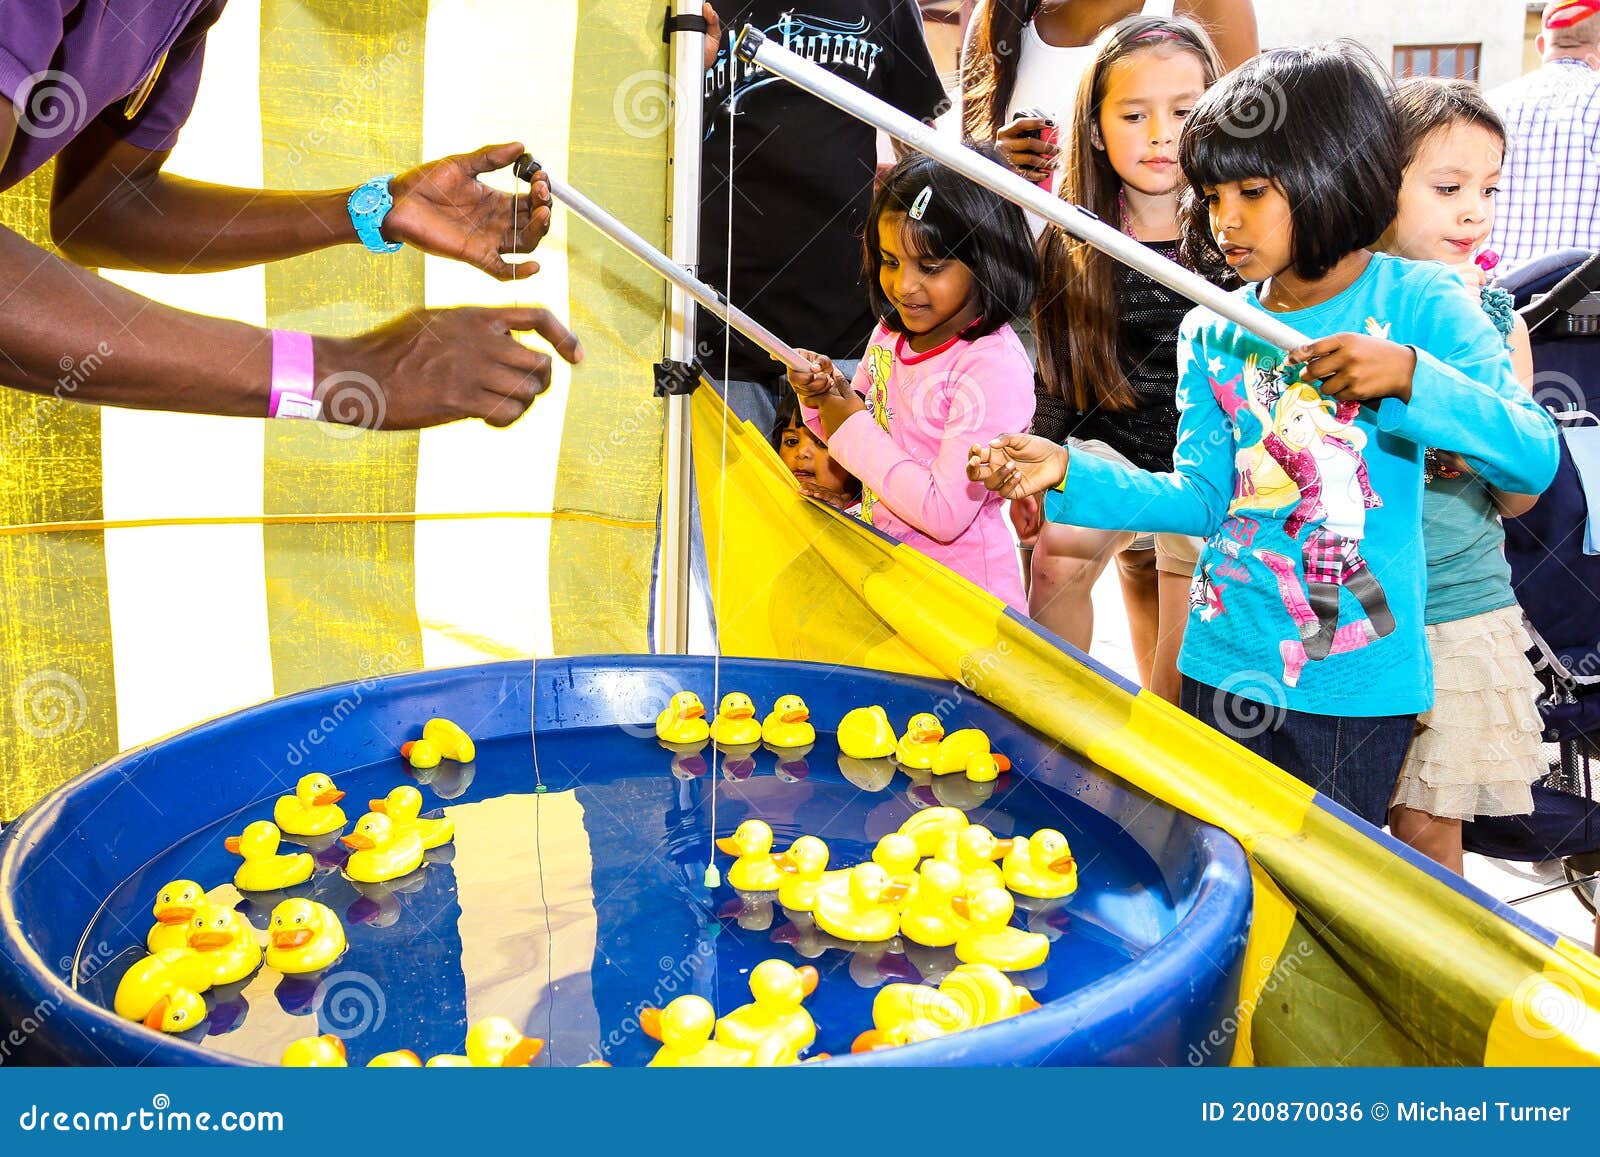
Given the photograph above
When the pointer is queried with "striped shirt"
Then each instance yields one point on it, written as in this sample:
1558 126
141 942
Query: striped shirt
1550 190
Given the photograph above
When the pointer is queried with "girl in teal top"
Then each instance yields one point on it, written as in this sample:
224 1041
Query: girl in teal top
1477 749
1304 473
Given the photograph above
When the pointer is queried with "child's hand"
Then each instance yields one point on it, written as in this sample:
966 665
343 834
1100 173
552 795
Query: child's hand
1027 518
1355 368
1018 465
837 499
824 379
1473 276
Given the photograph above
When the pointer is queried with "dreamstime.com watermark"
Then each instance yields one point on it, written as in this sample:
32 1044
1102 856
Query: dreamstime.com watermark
74 373
390 664
676 975
1223 1035
160 1117
83 969
366 76
49 704
31 1023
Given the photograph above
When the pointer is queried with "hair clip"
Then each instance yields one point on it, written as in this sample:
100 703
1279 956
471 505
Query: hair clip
920 205
1157 34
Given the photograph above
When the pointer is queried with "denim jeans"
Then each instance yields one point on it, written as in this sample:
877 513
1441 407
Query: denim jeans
1353 761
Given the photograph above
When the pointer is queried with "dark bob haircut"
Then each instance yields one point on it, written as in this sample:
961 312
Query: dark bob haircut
963 221
1317 123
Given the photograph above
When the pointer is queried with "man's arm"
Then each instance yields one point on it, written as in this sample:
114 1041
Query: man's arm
428 367
113 207
1232 25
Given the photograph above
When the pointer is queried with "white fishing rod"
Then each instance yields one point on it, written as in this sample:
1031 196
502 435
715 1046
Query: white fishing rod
754 48
675 274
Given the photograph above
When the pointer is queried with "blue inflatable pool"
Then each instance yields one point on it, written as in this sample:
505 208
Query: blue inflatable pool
574 893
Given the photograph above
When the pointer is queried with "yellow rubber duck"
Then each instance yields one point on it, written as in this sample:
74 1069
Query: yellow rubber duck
1041 866
990 939
866 910
905 1013
754 869
896 853
930 827
683 720
315 1052
972 995
441 739
929 918
225 941
778 989
973 850
381 853
174 908
313 809
303 936
904 1032
789 723
163 990
735 724
865 733
985 994
399 1059
178 1011
804 865
968 751
263 869
917 746
493 1043
684 1029
403 805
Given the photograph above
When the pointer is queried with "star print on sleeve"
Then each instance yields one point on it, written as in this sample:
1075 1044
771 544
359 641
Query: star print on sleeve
1214 367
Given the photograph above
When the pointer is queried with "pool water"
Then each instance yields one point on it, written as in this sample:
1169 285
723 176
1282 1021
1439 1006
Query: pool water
568 910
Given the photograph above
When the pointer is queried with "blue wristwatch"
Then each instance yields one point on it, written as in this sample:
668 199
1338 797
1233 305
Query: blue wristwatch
369 204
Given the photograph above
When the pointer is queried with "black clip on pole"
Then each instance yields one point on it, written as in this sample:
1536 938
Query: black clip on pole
672 379
688 22
677 379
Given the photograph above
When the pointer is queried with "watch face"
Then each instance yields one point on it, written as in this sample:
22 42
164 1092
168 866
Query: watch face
366 199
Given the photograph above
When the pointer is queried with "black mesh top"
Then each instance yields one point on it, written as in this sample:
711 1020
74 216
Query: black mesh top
1148 336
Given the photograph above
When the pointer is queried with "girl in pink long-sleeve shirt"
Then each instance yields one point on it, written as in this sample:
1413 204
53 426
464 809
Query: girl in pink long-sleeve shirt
950 265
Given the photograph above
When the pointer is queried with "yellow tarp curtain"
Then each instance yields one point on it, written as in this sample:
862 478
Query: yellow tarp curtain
159 569
1355 956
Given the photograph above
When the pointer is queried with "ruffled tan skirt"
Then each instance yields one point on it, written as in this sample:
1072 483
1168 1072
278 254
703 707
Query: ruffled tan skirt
1477 751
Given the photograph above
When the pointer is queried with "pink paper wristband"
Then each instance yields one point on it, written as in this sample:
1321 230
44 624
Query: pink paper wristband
293 379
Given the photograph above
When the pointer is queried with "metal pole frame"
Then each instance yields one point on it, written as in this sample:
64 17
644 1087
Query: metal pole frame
680 280
683 213
753 46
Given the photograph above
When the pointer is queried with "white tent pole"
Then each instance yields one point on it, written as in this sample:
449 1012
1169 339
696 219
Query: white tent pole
681 280
672 585
754 47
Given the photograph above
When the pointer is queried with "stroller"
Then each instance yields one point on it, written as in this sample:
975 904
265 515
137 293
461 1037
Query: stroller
1557 582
